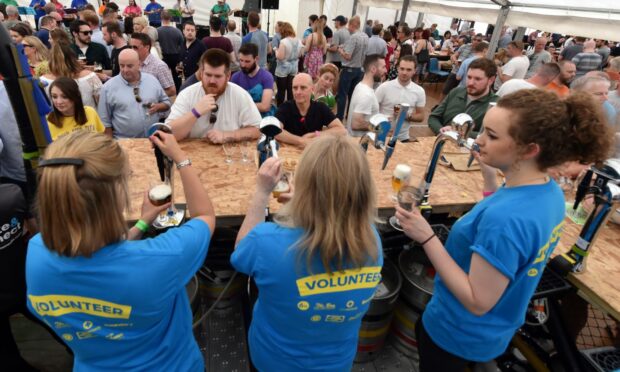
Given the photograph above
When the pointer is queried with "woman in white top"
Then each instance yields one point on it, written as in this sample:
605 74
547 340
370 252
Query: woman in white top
63 62
287 56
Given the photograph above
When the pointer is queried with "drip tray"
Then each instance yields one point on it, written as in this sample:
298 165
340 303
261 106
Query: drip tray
604 359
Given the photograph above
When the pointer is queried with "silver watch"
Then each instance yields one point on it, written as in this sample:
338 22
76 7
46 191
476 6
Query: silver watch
184 163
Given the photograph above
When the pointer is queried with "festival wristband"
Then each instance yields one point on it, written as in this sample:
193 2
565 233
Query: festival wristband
142 226
196 113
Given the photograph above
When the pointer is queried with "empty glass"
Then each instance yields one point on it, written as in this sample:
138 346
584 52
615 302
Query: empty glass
229 149
245 151
408 197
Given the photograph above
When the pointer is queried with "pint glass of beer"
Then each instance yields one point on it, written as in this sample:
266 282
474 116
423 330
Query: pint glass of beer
160 194
400 178
282 186
408 198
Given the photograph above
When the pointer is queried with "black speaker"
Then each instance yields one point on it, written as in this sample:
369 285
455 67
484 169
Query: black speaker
271 4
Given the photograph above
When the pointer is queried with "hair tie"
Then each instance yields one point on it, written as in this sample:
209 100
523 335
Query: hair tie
61 161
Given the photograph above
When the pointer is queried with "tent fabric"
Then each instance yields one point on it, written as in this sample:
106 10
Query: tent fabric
599 19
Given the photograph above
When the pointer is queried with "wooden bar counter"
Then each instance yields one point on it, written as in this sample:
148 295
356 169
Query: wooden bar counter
231 186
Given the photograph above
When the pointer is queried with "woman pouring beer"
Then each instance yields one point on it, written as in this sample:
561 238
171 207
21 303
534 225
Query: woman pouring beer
118 303
317 266
495 254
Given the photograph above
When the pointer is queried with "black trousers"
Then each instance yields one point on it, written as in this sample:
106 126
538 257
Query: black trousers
172 60
432 357
285 87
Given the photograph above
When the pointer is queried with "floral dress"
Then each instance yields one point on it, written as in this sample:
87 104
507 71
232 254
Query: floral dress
314 60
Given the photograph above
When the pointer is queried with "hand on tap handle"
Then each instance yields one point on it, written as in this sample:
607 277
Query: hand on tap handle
168 146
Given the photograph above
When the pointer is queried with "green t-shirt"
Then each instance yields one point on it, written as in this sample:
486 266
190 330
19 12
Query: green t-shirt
9 2
219 9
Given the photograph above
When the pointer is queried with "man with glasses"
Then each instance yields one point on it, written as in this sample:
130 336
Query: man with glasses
95 53
215 109
129 103
141 43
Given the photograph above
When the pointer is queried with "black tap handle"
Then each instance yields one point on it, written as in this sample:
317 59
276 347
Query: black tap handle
583 188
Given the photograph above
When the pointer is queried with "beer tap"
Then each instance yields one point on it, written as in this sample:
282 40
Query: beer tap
378 130
267 145
604 202
461 124
173 216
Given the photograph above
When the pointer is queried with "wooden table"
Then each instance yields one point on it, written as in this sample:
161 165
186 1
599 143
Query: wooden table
231 186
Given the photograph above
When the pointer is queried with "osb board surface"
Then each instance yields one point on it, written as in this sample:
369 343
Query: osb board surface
230 186
600 282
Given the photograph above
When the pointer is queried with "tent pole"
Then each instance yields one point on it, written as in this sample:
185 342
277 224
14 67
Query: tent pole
499 23
403 12
420 20
354 11
366 16
396 16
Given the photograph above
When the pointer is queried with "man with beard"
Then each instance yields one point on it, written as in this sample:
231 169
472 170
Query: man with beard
214 108
192 50
402 90
129 102
304 119
364 102
94 52
560 84
473 99
255 80
113 36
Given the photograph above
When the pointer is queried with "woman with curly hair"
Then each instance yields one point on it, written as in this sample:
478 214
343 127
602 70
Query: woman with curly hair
495 255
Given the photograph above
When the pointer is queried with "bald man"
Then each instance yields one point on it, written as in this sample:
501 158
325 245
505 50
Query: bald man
130 101
588 60
303 119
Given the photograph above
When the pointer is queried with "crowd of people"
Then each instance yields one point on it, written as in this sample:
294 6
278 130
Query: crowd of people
542 111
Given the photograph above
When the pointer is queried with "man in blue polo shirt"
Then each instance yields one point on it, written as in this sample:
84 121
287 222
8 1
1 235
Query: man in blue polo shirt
255 80
153 11
130 101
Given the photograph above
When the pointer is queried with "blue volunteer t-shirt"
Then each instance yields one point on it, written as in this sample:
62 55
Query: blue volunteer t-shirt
154 17
125 307
302 321
515 230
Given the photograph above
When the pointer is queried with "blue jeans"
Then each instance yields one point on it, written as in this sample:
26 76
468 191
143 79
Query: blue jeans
349 77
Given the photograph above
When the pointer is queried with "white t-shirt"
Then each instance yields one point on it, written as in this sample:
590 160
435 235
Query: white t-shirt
363 101
514 85
236 109
515 68
392 93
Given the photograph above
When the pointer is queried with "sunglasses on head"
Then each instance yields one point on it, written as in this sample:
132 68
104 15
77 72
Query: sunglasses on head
212 118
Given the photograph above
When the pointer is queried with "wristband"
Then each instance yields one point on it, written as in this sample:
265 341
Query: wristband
196 113
142 226
487 193
428 240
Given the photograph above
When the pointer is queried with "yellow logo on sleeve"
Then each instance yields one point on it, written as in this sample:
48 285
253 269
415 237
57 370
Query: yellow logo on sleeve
367 277
57 305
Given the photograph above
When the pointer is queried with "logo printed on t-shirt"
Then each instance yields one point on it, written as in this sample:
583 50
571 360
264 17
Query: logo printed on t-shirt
57 305
347 280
